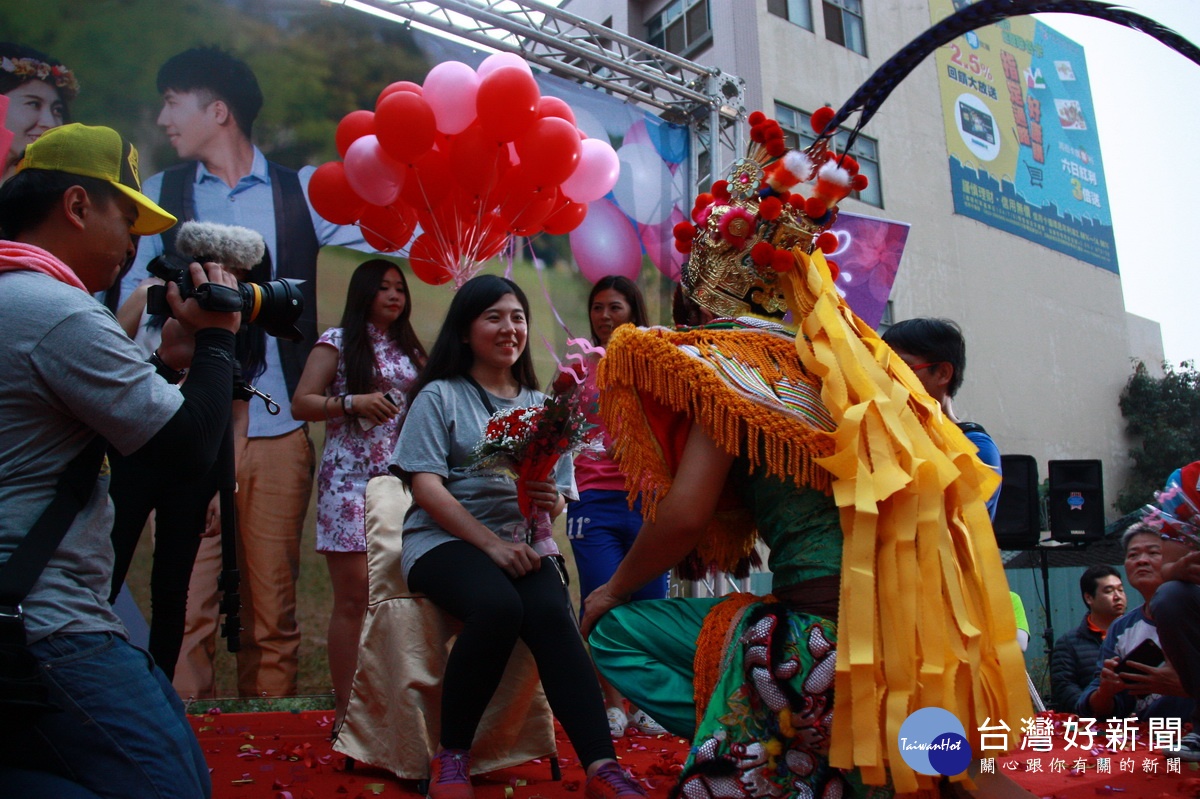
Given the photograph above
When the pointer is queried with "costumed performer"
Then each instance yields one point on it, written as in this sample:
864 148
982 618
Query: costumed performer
888 590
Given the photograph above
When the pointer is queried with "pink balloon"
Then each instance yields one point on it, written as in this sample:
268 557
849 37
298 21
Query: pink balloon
596 173
450 89
606 243
373 174
497 60
659 241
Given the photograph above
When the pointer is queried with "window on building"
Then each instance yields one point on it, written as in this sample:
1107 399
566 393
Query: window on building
682 27
797 11
798 132
844 24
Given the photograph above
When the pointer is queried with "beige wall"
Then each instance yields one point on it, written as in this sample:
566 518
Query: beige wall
1049 342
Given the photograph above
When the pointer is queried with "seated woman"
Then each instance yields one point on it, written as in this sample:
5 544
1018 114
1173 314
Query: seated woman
465 545
819 441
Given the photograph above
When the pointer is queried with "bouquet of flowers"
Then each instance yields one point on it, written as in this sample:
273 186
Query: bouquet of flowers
526 443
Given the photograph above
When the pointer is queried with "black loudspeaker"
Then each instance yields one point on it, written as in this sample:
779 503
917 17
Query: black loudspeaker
1076 500
1018 522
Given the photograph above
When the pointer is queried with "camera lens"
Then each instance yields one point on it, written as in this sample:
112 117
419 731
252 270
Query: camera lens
274 306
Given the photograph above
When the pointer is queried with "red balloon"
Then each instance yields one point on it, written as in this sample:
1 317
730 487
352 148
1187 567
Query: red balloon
507 102
475 160
428 261
387 228
555 107
549 150
427 181
405 126
565 218
530 211
331 195
490 237
398 86
353 126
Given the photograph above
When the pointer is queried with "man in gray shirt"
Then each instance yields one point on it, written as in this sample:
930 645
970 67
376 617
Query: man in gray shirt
70 218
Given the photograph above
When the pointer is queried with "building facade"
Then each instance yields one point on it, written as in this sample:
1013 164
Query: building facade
1050 345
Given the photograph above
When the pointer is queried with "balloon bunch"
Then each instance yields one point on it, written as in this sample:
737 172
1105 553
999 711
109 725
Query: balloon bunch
472 156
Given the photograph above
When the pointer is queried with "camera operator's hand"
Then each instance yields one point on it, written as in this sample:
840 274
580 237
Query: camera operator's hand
190 314
375 407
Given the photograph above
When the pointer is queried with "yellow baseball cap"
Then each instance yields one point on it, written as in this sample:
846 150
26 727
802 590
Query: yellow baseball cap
98 152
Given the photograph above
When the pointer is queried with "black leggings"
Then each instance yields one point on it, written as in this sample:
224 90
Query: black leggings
495 611
181 509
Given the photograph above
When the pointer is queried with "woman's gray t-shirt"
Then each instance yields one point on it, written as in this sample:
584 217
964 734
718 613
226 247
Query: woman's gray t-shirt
440 433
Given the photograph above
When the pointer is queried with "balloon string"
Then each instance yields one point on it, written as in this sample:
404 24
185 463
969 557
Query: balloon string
546 289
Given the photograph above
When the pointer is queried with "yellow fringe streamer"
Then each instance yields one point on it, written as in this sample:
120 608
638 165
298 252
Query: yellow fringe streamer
651 392
925 617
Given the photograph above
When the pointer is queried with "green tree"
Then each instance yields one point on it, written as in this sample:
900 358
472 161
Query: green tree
1163 415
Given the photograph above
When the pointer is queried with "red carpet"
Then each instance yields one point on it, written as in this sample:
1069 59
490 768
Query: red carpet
288 756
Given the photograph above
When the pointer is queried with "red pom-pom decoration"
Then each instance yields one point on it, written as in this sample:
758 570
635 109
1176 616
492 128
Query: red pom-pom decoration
720 190
757 117
827 242
859 182
762 253
821 117
770 208
702 201
815 207
850 164
776 147
683 230
834 271
797 201
783 261
683 245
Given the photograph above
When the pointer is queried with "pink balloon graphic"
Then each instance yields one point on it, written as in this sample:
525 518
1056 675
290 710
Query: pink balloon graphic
637 134
606 243
450 89
596 173
659 241
497 60
372 173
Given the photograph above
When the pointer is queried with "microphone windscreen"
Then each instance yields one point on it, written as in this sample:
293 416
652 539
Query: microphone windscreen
229 245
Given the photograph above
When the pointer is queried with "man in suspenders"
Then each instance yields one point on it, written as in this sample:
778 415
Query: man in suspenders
210 102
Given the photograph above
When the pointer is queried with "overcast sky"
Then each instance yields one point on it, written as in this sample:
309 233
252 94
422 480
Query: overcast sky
1147 105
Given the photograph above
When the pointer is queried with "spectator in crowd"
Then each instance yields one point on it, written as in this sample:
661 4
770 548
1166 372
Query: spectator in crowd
937 353
1137 686
39 91
601 524
210 102
70 216
1076 655
1176 604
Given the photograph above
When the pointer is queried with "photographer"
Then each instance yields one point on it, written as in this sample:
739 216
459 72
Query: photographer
70 216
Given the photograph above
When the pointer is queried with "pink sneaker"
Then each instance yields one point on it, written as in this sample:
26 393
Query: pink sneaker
612 782
450 775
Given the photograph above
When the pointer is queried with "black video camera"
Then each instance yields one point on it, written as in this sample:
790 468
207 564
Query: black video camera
274 306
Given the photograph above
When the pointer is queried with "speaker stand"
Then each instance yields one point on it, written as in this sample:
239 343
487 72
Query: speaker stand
1048 633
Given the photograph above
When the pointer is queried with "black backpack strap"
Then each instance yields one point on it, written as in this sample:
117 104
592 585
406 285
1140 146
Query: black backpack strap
29 559
178 197
971 427
296 248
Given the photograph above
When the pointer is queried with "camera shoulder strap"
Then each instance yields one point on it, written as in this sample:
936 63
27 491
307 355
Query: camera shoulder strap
75 485
178 197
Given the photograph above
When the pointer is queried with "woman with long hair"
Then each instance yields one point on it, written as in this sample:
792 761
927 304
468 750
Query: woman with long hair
356 380
464 546
39 91
601 525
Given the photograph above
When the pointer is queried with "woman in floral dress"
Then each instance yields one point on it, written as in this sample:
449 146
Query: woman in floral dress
355 380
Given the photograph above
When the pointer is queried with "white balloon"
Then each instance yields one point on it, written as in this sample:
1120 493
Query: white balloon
644 188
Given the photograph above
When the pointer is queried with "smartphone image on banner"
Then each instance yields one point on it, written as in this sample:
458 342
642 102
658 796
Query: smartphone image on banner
1147 653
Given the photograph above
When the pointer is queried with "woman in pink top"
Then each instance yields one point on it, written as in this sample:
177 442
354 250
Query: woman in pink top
601 525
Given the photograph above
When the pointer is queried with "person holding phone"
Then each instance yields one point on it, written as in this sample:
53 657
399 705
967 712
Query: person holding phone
1135 679
355 381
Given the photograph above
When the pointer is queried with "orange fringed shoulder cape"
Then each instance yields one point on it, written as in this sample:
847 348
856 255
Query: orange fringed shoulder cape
925 618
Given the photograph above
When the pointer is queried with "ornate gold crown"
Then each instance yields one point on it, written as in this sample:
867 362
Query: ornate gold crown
748 225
